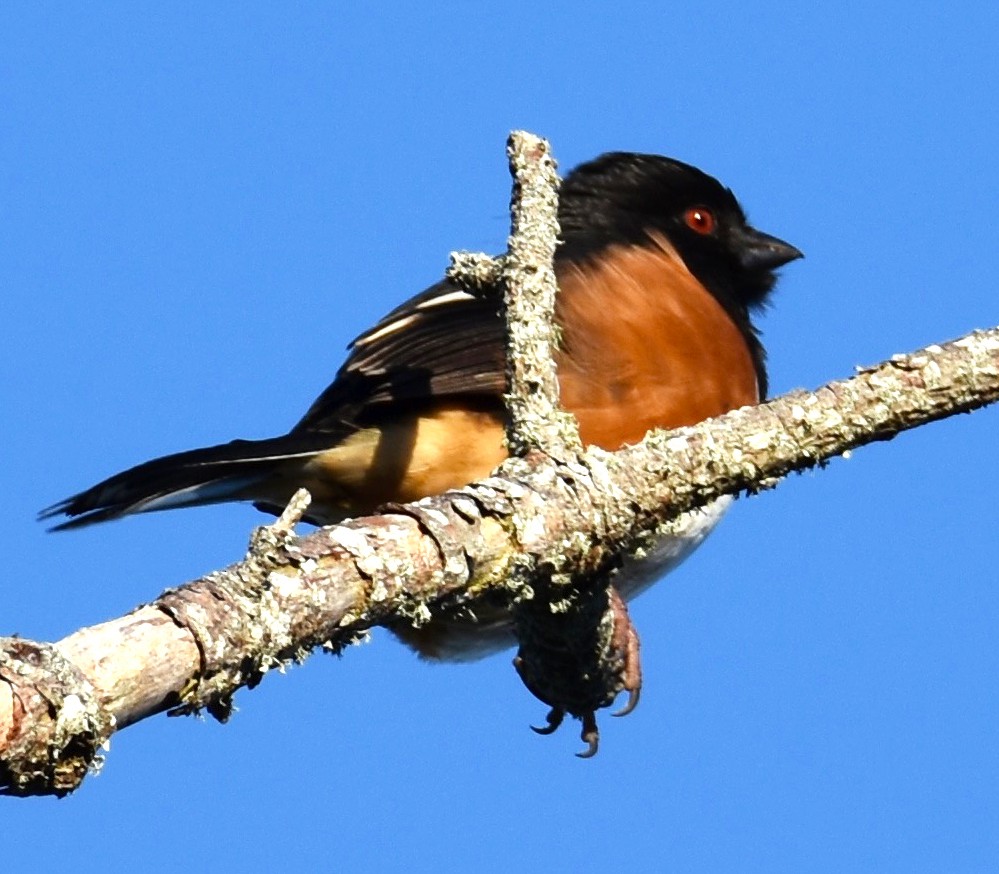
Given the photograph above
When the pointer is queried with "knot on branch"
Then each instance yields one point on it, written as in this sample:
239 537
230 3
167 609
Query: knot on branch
58 722
252 634
476 273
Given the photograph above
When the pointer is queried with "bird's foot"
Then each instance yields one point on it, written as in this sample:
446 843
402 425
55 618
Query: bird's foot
579 681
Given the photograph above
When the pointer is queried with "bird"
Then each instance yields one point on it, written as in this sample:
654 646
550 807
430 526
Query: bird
659 274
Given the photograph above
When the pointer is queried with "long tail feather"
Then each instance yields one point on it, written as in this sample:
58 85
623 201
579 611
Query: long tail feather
212 475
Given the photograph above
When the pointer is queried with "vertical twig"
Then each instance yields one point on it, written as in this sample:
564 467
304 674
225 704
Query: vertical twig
536 421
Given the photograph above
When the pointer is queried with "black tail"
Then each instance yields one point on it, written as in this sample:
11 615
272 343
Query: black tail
212 475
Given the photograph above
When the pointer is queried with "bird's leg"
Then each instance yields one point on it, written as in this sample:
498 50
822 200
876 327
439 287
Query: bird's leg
626 644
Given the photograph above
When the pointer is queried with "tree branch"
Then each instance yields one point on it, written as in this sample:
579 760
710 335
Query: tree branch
536 422
449 555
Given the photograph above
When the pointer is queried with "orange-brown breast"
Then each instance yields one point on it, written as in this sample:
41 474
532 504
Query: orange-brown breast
645 346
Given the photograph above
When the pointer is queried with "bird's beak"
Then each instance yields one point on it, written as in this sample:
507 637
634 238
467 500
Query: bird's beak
759 251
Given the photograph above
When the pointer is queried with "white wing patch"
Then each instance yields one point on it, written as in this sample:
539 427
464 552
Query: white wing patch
385 330
443 299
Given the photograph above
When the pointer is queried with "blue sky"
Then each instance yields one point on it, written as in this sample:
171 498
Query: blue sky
201 208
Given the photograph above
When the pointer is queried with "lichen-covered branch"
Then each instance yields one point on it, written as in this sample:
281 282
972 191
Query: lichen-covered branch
196 645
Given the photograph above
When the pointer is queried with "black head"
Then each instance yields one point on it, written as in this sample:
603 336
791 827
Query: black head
623 197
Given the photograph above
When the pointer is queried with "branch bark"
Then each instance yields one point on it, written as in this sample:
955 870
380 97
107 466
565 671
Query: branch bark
195 645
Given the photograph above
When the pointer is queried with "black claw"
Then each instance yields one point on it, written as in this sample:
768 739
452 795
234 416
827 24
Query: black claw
554 718
633 697
590 736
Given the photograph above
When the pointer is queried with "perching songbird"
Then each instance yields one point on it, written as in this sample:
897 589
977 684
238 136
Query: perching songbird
659 274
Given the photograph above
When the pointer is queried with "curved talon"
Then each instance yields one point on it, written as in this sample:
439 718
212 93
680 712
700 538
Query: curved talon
590 736
633 698
554 718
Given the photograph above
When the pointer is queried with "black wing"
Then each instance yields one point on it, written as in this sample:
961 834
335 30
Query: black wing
445 342
441 343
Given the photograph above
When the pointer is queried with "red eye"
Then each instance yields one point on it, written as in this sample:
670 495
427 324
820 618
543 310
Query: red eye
700 220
